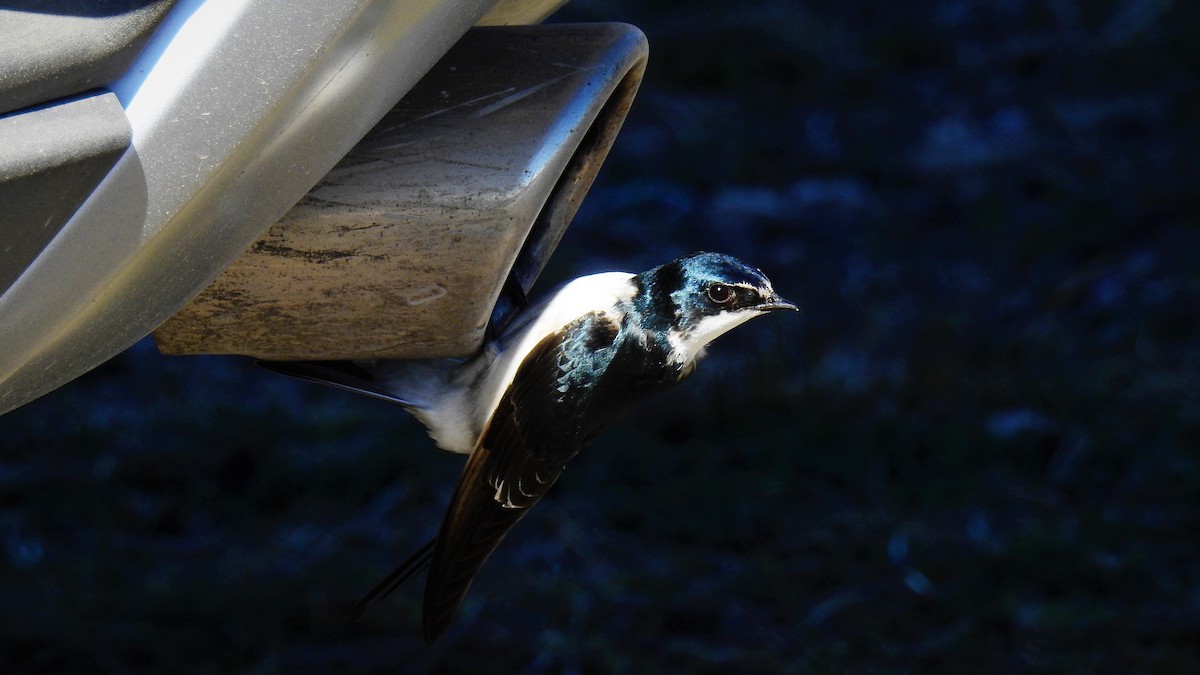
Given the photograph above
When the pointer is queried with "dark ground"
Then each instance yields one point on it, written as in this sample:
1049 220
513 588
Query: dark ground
977 451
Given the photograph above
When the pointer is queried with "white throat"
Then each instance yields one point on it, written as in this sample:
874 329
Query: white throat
686 347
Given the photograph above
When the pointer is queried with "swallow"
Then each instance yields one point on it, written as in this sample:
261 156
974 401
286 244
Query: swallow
557 375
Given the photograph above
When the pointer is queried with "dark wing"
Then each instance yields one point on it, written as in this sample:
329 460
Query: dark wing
539 425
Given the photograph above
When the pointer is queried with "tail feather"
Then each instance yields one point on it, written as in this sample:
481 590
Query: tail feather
408 569
435 391
356 376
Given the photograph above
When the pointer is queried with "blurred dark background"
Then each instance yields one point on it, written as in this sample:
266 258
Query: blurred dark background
975 451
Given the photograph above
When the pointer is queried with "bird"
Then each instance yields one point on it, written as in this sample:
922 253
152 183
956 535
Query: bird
559 373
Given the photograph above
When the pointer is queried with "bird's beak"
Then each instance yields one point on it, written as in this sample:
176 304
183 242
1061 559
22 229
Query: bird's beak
775 303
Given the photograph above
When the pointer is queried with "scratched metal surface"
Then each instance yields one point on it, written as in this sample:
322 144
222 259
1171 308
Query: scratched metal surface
403 248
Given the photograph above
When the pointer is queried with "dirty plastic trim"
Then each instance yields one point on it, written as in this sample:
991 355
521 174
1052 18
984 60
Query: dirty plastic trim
231 151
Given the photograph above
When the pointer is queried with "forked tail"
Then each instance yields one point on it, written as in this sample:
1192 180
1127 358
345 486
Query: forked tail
415 564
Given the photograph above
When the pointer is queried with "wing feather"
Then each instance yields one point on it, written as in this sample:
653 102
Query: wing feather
536 429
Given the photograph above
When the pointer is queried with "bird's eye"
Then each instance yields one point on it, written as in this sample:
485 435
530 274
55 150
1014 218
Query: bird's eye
720 293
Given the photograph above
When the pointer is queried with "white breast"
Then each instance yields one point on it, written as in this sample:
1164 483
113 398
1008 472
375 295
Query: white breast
595 292
461 415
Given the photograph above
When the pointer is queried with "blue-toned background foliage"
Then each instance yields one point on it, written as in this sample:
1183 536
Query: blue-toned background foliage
976 451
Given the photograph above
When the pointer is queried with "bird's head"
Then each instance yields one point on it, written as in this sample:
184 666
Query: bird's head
701 296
